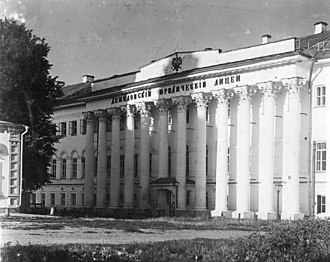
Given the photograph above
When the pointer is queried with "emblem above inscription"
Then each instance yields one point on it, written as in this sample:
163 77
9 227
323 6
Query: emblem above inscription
176 63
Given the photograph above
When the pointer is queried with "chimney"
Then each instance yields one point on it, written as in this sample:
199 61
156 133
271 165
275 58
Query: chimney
88 78
266 39
320 27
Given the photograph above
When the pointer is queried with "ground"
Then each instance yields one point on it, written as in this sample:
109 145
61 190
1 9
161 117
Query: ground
48 230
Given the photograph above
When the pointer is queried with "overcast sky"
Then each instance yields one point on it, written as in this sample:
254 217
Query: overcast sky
107 37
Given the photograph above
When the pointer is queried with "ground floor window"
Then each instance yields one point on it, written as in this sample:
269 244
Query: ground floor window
73 199
63 199
320 204
52 199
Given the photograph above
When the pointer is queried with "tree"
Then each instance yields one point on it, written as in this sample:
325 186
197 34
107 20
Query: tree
28 95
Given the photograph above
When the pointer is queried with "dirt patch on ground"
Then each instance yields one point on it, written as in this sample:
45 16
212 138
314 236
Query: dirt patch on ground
25 233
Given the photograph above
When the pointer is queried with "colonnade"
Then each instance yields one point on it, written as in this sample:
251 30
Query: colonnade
240 152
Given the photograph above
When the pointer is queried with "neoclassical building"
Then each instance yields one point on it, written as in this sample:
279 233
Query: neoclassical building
239 133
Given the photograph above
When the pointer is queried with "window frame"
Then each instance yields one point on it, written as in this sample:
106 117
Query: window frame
73 126
320 96
321 156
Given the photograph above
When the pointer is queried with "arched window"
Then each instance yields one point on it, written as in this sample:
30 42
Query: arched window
54 167
187 160
169 160
74 165
63 165
207 160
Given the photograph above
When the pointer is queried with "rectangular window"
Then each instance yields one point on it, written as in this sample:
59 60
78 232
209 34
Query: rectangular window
169 118
136 122
207 114
34 198
43 199
320 95
187 115
83 126
73 128
83 165
54 168
188 198
62 199
136 165
122 165
82 199
63 168
109 166
95 166
122 123
74 167
320 204
52 199
150 164
109 124
73 199
63 129
321 156
96 127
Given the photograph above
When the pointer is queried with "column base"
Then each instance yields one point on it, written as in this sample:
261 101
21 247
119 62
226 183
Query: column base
292 216
243 214
221 213
267 215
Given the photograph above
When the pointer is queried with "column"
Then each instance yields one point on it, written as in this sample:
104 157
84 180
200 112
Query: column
201 101
101 181
129 159
182 103
266 151
243 153
89 174
163 106
115 157
291 149
221 184
144 110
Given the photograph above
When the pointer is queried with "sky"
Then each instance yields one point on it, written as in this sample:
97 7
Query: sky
109 37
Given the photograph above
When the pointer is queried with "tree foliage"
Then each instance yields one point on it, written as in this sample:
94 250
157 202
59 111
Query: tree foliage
28 95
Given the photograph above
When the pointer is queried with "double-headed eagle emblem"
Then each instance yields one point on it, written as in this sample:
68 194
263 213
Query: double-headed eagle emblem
176 63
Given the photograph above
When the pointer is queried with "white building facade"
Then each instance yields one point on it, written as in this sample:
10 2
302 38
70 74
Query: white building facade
200 132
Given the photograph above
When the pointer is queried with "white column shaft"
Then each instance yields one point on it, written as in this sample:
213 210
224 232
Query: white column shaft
129 161
115 163
89 174
101 194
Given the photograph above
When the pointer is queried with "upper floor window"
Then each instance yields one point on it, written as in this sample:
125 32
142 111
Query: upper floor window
63 168
83 125
73 128
122 165
74 167
54 168
63 129
321 156
109 124
136 165
122 123
320 95
83 165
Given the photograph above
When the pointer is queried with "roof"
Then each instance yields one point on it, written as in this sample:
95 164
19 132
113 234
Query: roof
316 45
76 89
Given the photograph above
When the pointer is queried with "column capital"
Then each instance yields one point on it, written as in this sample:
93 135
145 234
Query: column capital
89 115
201 99
115 112
101 114
245 93
223 95
294 84
144 109
129 109
269 89
163 105
182 102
